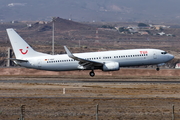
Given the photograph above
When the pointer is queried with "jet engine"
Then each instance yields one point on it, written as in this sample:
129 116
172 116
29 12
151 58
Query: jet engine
111 66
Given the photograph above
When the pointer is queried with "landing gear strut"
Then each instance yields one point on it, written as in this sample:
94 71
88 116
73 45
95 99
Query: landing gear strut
92 74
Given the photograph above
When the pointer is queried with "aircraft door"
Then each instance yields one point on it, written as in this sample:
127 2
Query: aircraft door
154 55
39 63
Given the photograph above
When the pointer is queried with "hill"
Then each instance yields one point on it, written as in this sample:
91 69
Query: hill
81 37
64 30
61 25
93 10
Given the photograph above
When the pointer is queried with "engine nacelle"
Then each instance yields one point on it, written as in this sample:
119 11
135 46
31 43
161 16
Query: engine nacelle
161 64
111 66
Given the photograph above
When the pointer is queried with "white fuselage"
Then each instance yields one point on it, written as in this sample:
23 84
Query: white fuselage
106 60
125 58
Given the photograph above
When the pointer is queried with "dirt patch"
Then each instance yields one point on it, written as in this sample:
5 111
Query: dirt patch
47 101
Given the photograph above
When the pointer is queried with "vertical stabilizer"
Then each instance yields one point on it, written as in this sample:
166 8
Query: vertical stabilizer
20 47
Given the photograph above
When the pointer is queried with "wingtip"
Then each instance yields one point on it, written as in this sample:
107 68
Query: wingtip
65 47
9 29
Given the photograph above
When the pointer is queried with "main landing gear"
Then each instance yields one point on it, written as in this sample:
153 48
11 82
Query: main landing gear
92 74
157 68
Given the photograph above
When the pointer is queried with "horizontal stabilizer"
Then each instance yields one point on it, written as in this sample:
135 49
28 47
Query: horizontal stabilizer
18 60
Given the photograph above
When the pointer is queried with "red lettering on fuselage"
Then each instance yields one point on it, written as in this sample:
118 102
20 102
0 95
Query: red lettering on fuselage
143 52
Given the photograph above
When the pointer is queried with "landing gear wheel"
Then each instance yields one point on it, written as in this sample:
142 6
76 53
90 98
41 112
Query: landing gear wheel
157 69
92 74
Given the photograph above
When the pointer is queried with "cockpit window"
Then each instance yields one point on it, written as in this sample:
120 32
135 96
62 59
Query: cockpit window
163 52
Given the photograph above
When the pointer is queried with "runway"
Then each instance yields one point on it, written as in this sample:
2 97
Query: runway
94 81
127 80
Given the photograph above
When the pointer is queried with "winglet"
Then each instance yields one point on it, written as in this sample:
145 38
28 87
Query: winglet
68 52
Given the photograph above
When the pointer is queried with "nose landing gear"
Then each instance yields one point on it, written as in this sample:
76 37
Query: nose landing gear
159 66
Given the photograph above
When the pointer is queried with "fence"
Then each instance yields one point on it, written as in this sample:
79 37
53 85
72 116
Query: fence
91 112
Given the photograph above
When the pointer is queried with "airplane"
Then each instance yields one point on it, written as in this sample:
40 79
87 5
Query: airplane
104 60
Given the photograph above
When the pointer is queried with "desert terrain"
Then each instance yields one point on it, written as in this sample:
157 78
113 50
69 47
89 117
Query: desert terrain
90 37
138 94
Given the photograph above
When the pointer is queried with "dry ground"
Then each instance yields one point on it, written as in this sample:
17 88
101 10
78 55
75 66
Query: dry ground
117 100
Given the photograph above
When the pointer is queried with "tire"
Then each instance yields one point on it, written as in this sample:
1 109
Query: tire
92 74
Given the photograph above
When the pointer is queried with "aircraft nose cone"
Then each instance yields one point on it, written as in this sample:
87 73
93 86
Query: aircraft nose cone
171 57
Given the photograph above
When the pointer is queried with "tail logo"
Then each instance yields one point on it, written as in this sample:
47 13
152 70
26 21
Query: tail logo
21 50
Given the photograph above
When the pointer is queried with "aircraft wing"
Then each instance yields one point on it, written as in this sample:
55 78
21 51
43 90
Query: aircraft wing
83 62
